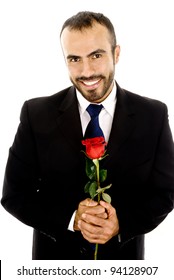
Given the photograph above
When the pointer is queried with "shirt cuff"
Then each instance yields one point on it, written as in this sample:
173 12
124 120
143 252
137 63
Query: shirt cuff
71 223
119 238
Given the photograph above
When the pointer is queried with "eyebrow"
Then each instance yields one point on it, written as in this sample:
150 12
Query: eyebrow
90 54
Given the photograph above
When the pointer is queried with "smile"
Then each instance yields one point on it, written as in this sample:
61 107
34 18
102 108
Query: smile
91 83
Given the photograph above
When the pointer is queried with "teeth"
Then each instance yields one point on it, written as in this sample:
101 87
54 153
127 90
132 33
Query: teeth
90 83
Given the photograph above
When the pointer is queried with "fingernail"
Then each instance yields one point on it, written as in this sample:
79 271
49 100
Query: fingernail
92 203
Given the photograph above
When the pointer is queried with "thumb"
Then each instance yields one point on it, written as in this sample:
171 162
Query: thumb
88 202
110 209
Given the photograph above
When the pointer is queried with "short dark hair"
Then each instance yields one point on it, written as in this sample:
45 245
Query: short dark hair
86 19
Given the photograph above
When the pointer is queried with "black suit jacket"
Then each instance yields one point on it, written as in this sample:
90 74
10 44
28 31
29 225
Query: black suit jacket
45 174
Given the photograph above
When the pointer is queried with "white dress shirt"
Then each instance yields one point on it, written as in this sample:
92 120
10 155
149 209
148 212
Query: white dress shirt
105 120
106 115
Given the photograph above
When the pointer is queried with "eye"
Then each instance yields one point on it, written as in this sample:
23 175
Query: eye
97 55
74 59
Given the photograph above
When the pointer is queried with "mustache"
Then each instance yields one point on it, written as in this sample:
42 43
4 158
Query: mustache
94 77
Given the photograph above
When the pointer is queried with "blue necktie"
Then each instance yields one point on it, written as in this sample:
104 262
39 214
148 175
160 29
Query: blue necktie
93 129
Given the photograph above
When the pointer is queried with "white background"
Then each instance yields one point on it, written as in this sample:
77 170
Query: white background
32 64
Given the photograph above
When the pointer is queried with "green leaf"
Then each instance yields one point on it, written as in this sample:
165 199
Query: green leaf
103 175
106 197
92 189
86 188
90 169
101 190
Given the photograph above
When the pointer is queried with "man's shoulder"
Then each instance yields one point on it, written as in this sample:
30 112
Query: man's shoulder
44 108
141 102
50 99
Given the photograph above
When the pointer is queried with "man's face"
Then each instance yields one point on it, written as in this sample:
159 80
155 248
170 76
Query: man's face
90 61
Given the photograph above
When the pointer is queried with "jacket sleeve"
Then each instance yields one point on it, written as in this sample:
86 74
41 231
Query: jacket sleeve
151 206
21 189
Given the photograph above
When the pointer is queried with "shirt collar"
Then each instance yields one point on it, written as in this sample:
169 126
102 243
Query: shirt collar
108 103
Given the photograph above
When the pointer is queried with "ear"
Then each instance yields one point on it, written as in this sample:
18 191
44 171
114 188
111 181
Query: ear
117 53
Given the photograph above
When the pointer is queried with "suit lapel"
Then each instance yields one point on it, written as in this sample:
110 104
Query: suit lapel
123 123
68 120
69 124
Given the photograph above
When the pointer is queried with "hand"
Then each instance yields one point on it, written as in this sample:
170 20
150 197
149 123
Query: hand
91 207
96 228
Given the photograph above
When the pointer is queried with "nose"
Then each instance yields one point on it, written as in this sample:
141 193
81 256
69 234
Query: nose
87 69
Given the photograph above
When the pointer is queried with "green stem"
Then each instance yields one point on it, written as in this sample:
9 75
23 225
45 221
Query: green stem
96 251
96 162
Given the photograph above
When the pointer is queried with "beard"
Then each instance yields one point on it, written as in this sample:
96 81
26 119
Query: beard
95 94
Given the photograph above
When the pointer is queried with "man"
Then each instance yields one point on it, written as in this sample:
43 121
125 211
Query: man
45 174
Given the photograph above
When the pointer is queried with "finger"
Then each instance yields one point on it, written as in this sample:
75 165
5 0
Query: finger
100 233
110 209
103 215
88 202
90 230
94 220
89 237
96 210
93 234
93 238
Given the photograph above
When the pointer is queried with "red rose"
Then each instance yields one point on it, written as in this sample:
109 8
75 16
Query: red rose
95 151
95 147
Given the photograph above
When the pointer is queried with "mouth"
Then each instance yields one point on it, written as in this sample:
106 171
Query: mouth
91 83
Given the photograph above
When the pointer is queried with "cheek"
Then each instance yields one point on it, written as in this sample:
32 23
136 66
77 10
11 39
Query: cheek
73 71
105 67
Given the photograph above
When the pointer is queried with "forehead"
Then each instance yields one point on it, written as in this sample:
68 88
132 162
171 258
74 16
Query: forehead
85 41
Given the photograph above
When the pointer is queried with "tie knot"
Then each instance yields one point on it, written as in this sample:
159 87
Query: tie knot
94 110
